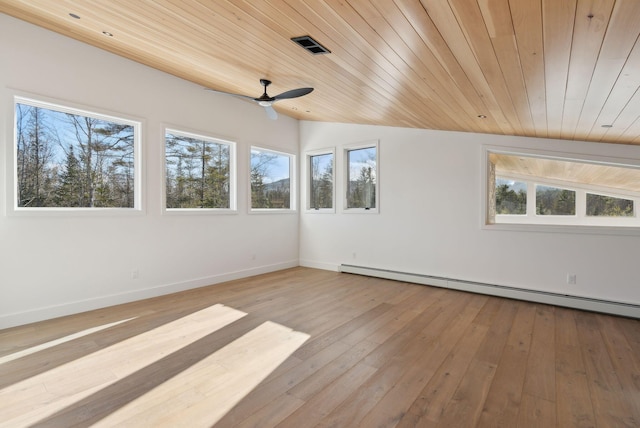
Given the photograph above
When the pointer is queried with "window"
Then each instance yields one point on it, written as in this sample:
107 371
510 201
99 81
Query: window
527 188
362 178
511 197
321 181
608 206
555 201
72 159
198 172
271 186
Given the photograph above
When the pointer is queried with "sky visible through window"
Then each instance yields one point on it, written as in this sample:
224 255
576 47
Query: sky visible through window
516 186
362 178
58 128
270 179
362 158
276 169
322 163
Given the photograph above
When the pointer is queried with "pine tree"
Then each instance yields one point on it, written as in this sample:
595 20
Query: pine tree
35 175
508 201
258 194
69 193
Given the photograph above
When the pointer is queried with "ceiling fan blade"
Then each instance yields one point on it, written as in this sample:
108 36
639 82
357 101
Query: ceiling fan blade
271 113
294 93
244 97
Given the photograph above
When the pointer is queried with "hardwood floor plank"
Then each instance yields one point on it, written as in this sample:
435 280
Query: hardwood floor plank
440 367
390 373
218 381
626 366
501 325
327 374
624 362
573 404
488 312
536 412
540 379
380 353
465 404
611 404
321 341
272 415
381 328
335 394
80 379
505 394
272 387
397 342
631 329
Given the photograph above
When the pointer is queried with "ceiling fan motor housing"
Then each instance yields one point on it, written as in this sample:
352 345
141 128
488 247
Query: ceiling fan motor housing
265 100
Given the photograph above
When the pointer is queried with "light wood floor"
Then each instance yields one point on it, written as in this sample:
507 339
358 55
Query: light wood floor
305 348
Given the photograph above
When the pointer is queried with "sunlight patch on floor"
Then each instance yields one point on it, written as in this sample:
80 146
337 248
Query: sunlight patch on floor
201 395
59 341
41 396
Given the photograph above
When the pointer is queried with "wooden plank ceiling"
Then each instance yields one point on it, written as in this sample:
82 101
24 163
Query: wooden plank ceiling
565 69
609 176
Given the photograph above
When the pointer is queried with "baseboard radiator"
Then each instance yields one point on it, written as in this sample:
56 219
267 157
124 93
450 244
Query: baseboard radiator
576 302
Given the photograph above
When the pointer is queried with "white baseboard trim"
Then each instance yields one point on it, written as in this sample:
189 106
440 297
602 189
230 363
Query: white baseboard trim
55 311
319 265
576 302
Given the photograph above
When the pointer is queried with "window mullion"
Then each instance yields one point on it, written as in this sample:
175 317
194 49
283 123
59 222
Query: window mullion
531 200
581 203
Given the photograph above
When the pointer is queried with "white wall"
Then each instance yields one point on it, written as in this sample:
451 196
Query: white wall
54 265
411 234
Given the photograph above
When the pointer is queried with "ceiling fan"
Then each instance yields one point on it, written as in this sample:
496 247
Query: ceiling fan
267 101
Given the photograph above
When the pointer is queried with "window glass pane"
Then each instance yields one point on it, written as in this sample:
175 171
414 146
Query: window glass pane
361 178
72 160
321 181
270 179
197 172
511 197
608 206
555 201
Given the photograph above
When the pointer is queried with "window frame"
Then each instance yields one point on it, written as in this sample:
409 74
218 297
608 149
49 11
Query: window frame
292 182
64 106
233 188
578 223
345 179
307 173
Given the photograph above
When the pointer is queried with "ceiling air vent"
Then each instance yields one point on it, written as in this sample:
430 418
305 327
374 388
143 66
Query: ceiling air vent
311 45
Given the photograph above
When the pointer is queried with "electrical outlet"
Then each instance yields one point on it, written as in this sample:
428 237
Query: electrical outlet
135 274
571 278
354 255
